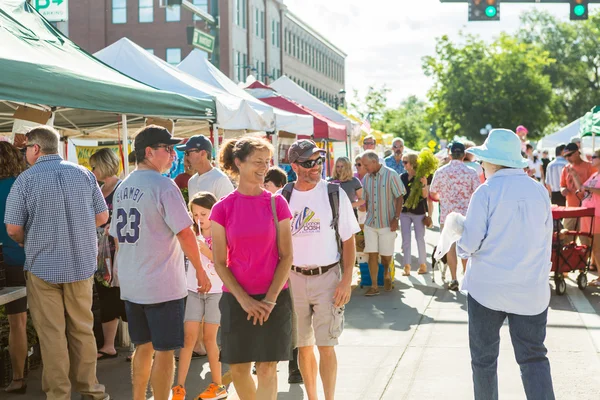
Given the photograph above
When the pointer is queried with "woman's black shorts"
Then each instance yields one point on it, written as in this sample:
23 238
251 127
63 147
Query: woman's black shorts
15 277
111 305
243 342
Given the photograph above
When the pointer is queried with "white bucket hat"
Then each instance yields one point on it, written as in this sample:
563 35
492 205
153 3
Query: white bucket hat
502 147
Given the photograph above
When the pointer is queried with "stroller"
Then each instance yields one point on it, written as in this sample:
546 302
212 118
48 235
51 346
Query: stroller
569 256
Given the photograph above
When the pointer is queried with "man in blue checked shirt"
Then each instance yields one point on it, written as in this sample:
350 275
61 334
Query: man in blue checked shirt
395 160
53 210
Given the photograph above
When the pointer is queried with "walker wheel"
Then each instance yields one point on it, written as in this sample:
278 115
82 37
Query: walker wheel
561 285
582 281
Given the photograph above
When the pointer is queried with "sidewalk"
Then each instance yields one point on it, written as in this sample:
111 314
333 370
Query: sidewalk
412 343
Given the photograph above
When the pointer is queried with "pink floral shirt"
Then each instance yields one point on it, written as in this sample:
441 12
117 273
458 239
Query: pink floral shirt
455 184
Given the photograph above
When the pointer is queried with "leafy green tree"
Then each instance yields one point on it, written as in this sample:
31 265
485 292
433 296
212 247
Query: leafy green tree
575 76
478 83
408 121
373 103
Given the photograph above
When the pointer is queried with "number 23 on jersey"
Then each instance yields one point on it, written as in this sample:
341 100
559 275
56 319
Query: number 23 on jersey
128 225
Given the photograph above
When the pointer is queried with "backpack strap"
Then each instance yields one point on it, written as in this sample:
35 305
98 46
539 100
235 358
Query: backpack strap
287 190
333 192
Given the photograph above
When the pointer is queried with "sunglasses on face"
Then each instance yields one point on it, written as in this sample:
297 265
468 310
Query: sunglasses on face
188 152
404 162
358 165
369 143
595 156
311 163
168 148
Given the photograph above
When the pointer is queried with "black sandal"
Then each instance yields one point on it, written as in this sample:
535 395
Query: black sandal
21 390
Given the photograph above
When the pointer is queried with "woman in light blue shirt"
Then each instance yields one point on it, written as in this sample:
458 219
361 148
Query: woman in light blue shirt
508 237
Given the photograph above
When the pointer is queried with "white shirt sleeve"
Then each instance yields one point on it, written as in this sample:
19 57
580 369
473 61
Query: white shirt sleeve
347 224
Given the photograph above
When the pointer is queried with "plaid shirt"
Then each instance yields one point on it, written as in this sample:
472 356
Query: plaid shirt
56 202
381 191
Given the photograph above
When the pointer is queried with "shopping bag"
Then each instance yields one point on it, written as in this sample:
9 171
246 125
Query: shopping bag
104 271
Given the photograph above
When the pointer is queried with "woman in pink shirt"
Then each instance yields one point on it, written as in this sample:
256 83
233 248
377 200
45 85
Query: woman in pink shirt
256 307
591 198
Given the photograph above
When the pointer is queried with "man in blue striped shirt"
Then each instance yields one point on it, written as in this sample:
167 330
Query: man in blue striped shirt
382 190
553 173
53 210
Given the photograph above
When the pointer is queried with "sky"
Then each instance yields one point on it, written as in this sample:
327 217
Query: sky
386 39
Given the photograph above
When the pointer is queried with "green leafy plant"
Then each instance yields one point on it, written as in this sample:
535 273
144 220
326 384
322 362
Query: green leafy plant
427 164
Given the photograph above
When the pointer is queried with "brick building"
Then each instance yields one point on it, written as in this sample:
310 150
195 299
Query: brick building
258 37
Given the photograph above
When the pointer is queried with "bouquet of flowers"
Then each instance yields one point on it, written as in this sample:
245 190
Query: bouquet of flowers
427 164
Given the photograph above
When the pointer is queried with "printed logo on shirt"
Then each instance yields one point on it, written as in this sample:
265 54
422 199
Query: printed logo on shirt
305 222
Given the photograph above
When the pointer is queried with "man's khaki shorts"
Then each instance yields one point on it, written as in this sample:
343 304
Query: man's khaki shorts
319 321
380 241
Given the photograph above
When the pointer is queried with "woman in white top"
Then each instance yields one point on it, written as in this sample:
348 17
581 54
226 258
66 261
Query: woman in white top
508 237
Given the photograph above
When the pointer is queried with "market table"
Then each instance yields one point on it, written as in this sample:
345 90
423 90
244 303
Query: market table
9 294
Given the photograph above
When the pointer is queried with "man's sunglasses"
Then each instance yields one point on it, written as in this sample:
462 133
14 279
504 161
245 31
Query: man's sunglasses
595 156
169 149
369 143
311 163
358 165
188 152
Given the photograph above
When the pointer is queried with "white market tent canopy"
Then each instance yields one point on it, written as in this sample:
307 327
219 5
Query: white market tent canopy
198 65
564 136
233 112
290 89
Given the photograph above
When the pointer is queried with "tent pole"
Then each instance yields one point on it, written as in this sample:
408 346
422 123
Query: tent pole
216 144
276 148
125 147
593 140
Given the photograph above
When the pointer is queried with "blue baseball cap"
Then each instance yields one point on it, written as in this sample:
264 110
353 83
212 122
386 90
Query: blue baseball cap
199 142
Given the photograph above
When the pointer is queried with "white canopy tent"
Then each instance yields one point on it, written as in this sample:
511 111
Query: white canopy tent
564 136
290 89
198 65
233 112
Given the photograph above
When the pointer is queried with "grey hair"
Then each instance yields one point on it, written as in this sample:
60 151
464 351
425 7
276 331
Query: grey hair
44 136
371 155
398 140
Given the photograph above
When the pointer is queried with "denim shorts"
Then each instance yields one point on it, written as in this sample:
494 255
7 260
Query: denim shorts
160 323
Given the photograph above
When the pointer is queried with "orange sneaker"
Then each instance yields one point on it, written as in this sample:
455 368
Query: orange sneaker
178 393
213 392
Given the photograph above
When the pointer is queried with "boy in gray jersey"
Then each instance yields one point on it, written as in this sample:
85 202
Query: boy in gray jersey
152 227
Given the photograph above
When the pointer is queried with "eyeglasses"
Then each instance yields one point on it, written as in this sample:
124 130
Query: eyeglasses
311 163
595 156
168 148
569 155
31 145
404 162
188 152
358 165
369 143
397 147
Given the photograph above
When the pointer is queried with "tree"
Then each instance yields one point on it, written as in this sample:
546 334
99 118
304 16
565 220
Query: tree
373 104
407 121
477 83
575 76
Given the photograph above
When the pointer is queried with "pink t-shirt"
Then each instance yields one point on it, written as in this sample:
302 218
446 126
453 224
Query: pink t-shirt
252 253
592 200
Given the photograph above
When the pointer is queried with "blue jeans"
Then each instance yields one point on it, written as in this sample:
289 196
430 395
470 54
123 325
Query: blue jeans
527 334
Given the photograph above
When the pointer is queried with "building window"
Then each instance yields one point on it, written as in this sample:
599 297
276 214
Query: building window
263 70
240 13
238 65
262 24
173 55
201 4
146 11
173 13
151 51
273 41
257 22
119 11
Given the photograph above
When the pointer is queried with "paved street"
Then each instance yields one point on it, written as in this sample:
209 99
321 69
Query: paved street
412 344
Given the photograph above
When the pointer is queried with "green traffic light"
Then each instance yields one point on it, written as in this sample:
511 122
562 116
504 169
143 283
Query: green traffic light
491 11
579 10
